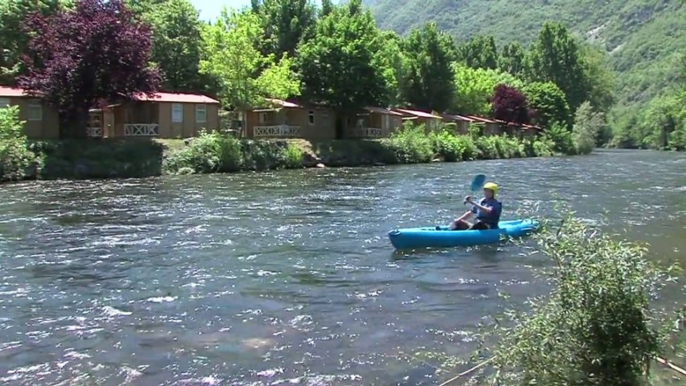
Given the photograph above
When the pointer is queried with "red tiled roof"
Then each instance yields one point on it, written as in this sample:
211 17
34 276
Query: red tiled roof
458 117
480 119
175 98
381 110
283 103
12 92
160 96
417 113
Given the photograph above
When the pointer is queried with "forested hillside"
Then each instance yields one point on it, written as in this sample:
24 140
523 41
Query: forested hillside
642 37
644 40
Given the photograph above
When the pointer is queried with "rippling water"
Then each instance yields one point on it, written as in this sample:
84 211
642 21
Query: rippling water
278 278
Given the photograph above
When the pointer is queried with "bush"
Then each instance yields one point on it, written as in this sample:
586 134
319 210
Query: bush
294 157
561 138
587 125
450 147
596 327
411 144
677 138
222 153
15 157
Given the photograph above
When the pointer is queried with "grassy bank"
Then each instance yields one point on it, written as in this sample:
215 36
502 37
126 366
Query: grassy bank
217 153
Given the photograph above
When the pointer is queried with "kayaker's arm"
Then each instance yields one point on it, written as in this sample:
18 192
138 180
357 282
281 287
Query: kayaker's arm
486 209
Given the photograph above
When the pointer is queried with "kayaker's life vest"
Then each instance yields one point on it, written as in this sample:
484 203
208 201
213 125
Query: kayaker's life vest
492 218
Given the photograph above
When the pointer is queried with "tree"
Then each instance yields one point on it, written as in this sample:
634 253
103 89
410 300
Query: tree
479 52
512 59
549 104
79 57
430 84
587 125
556 57
396 68
176 45
342 64
474 88
285 23
600 78
510 105
13 41
231 57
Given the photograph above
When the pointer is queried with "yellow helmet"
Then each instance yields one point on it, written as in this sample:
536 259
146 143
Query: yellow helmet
491 186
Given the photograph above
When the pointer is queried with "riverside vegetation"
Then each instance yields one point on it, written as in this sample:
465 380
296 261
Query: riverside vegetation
215 152
599 325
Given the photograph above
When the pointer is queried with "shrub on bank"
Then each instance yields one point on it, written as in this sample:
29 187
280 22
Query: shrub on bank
414 143
596 327
99 158
15 157
220 153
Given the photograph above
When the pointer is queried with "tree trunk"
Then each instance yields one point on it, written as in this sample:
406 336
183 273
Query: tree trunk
74 126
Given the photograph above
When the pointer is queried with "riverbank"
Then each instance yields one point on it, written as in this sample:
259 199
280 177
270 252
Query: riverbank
217 153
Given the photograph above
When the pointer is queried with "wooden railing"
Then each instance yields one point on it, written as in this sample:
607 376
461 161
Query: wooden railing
366 132
276 131
141 130
95 132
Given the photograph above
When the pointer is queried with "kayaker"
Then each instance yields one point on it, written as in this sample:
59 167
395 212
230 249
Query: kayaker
487 211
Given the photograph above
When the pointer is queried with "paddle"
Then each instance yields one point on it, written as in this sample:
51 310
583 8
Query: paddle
477 184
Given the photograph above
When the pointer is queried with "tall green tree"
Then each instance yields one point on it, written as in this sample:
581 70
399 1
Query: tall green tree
474 88
479 52
285 23
555 56
600 78
549 104
142 7
512 59
246 76
13 40
430 84
177 45
396 68
342 64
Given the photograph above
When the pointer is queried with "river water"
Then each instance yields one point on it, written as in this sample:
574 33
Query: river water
286 277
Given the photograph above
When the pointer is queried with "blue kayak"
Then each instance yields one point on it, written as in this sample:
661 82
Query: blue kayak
426 237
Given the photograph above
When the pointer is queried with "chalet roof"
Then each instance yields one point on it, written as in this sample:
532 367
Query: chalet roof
381 110
12 92
417 113
169 97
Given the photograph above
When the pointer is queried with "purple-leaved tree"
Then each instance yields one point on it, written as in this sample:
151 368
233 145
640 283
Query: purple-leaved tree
97 51
510 105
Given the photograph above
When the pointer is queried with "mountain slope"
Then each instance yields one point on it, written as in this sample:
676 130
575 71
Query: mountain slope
644 38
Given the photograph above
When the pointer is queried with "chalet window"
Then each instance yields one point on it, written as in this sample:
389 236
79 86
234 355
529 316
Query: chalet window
34 110
200 113
4 102
177 113
387 121
263 117
310 117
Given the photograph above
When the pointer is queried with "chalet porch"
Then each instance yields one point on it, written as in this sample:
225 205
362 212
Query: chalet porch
135 119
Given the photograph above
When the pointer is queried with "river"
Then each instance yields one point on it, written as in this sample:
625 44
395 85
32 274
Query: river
286 277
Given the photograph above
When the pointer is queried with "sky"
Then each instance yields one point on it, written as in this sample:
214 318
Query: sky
209 9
